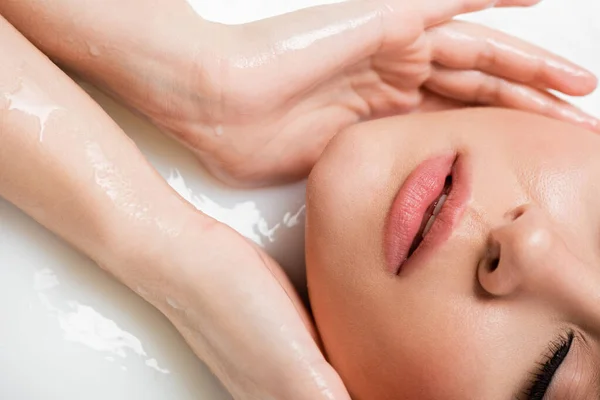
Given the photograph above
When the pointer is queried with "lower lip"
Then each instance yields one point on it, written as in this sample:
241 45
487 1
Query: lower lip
419 191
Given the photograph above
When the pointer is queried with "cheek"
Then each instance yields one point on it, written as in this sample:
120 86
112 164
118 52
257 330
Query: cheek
417 339
562 189
568 188
423 340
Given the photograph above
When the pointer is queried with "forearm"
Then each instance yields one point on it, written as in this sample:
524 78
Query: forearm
64 162
68 165
118 44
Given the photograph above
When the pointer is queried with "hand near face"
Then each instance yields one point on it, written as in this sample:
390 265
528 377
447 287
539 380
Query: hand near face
259 102
241 315
289 84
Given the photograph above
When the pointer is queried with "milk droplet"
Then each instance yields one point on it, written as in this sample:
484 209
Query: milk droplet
31 100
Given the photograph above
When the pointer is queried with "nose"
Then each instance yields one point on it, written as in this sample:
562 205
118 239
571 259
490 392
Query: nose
529 258
518 252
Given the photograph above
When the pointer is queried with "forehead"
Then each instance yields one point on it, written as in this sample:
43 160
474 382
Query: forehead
486 122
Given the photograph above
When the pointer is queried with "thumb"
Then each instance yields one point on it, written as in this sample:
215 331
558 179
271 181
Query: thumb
436 11
307 47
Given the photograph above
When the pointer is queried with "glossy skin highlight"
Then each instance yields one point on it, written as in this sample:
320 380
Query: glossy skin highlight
471 319
225 93
258 102
88 183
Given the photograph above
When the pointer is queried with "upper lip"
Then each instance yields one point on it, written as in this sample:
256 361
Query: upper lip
420 190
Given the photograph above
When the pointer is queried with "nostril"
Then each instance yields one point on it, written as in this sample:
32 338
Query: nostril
517 213
493 264
491 260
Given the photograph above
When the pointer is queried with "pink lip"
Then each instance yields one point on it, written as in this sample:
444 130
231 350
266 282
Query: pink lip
423 186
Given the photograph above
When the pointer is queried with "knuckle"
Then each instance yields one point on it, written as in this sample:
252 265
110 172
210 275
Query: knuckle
486 57
488 90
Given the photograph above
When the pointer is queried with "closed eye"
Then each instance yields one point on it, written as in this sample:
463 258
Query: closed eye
545 371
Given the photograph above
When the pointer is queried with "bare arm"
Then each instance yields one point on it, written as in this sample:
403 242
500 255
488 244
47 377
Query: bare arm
121 45
68 165
258 102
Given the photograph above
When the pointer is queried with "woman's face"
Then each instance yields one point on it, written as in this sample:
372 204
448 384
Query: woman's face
501 297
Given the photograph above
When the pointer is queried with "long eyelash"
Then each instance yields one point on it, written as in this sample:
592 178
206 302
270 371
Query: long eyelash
540 380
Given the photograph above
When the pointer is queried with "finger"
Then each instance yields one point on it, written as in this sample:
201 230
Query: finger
465 45
437 11
478 88
307 47
517 3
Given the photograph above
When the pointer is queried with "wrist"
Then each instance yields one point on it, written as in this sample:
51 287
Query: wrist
163 259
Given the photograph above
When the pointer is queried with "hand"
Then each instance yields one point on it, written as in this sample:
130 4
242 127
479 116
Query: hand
259 102
229 300
240 314
285 86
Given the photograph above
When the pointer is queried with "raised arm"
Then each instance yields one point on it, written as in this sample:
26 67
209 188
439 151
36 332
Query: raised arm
119 45
259 102
68 165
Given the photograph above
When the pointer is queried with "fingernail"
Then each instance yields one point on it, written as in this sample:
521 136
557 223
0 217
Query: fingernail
581 118
595 124
591 123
